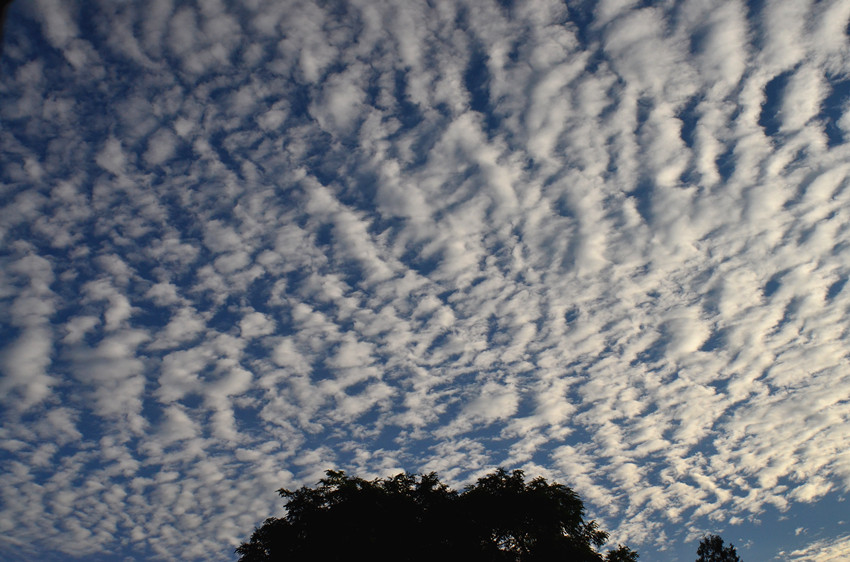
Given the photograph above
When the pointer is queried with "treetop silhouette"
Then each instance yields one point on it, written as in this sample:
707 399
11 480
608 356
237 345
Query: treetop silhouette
712 549
416 518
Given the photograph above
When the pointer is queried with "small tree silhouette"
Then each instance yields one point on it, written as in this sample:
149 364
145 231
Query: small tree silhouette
712 549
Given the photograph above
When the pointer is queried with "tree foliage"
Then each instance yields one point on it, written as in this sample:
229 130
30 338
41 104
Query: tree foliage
712 549
416 518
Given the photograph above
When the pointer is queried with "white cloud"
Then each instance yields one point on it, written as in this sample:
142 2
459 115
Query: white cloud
161 147
782 30
422 236
112 157
494 401
59 23
113 375
184 326
647 57
25 361
722 49
802 98
119 309
271 119
824 550
341 102
256 324
163 294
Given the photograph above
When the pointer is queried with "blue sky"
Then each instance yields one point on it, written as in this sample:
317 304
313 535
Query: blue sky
245 242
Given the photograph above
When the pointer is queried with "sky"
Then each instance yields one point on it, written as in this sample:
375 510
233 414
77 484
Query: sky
245 242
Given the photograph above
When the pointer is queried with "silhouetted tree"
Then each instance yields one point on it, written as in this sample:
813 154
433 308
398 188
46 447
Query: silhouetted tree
712 549
621 554
418 518
4 6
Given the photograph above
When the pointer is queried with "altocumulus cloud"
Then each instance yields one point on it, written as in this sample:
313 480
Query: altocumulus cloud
244 242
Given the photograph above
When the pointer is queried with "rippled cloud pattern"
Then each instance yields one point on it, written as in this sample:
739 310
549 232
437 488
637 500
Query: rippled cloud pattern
244 242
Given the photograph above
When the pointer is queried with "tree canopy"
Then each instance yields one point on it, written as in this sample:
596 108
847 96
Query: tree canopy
416 518
712 549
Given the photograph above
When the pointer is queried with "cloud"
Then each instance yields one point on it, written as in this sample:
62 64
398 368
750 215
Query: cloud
161 147
822 550
26 381
781 30
58 21
184 326
244 243
341 101
113 375
804 94
112 157
256 324
494 402
722 51
25 363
